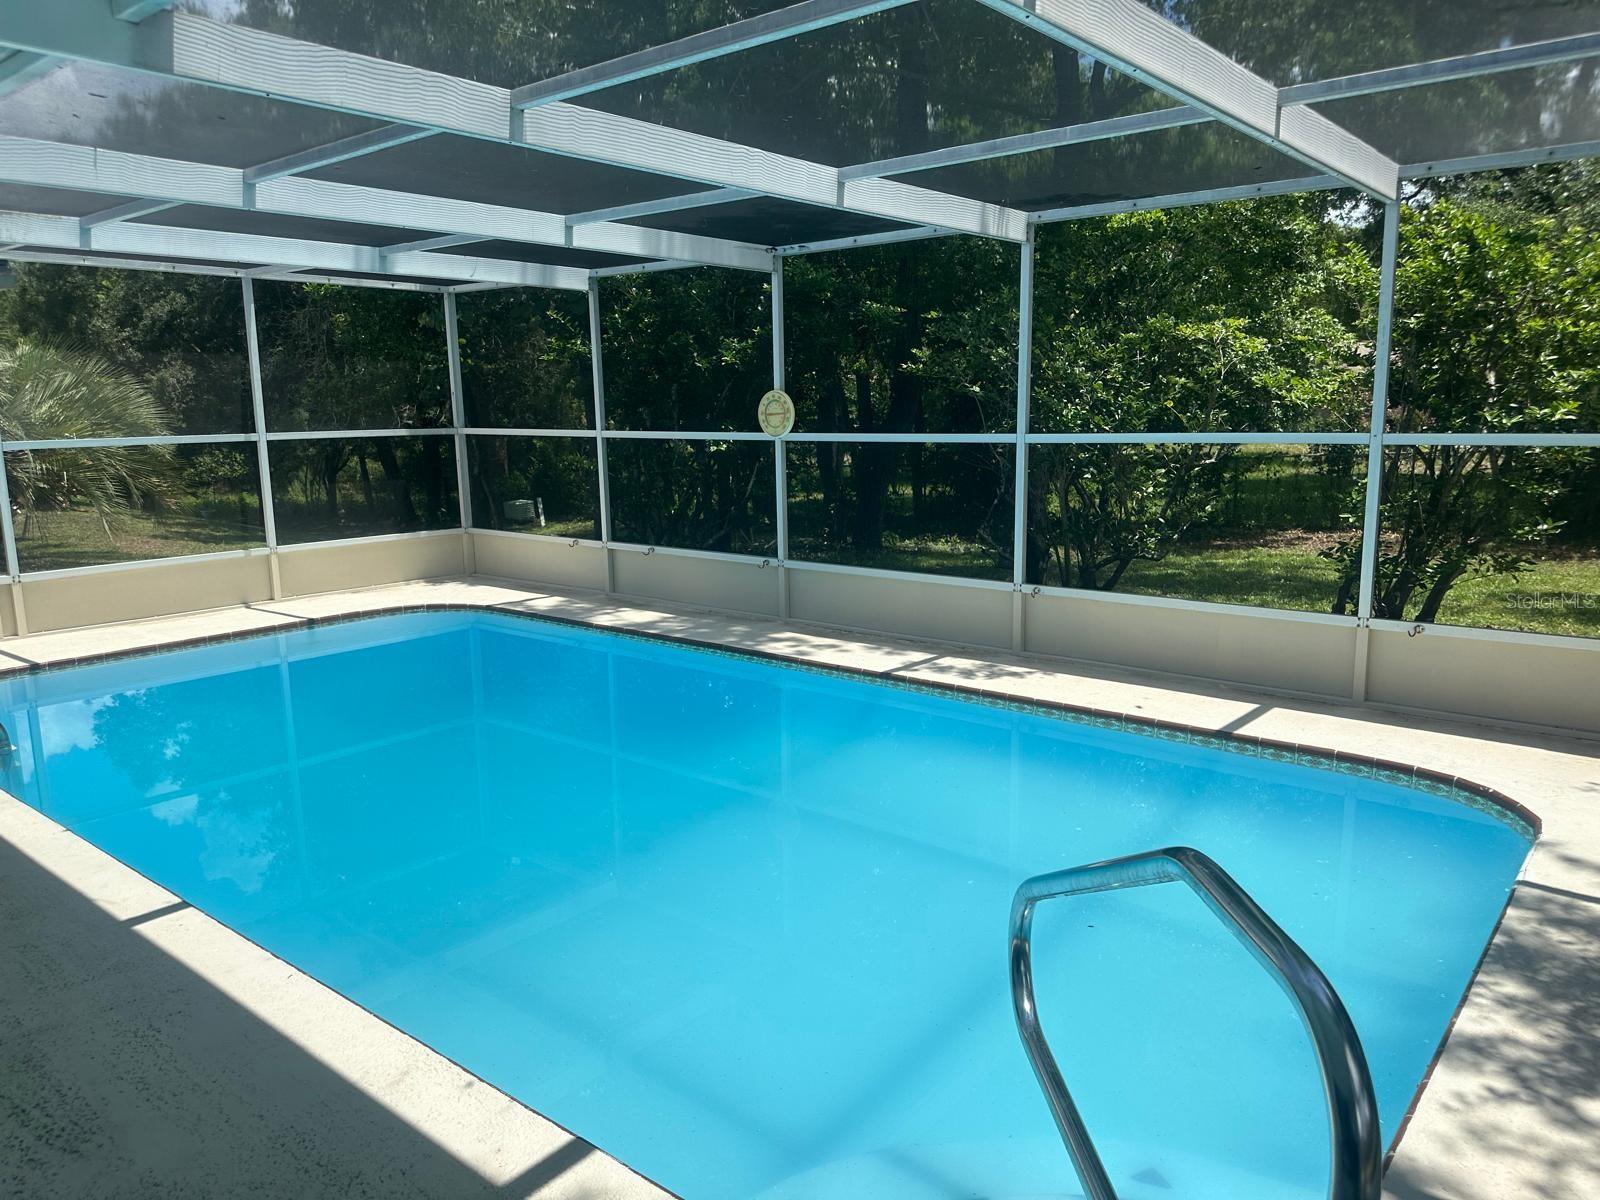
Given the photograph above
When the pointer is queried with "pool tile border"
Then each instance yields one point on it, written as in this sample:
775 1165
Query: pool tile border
1453 787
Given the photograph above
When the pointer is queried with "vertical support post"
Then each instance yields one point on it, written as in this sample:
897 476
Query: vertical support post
1019 526
10 558
1370 531
269 522
597 364
780 451
458 421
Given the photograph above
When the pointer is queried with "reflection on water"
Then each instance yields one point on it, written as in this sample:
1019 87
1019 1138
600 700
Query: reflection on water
743 926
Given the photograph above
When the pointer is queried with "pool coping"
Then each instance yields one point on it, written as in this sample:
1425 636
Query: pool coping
490 596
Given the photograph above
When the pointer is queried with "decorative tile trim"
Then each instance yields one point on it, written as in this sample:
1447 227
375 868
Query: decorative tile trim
1423 779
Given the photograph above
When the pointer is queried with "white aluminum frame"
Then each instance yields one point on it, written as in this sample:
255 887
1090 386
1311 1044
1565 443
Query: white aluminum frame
1141 43
780 451
1126 34
458 416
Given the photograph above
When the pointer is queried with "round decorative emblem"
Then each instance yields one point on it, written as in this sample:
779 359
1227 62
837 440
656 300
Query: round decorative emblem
776 413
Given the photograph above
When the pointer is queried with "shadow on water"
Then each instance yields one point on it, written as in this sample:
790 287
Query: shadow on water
123 1073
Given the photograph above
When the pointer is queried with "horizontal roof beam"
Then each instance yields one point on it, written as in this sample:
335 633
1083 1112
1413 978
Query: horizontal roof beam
164 241
130 211
1138 41
185 46
1497 162
641 268
1464 66
336 152
699 47
443 242
22 67
919 234
623 141
667 204
138 10
1247 191
1443 70
86 168
1028 143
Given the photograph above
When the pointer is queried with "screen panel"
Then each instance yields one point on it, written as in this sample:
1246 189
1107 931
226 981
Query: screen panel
1253 316
85 507
689 350
910 79
336 357
769 222
89 105
545 486
1497 305
693 495
1510 110
466 168
1306 40
908 337
327 489
508 44
266 224
934 509
58 202
1491 537
1267 526
1161 162
525 359
96 352
529 252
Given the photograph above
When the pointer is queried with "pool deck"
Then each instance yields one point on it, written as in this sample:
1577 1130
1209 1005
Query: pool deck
146 1050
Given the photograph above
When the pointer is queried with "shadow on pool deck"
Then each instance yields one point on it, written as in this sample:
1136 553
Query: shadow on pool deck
1527 1055
124 1074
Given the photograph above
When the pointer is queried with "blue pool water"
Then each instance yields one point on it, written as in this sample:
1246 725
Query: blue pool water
744 926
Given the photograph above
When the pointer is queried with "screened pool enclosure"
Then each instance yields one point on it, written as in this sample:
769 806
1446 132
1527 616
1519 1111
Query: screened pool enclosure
1244 341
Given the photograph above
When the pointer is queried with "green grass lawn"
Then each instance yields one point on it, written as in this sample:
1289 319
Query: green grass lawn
57 540
929 554
1559 595
570 527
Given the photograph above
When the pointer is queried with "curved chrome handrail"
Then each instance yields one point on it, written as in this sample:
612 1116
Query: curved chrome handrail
1357 1172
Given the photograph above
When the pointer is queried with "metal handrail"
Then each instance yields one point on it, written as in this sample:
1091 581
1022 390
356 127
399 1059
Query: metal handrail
1357 1172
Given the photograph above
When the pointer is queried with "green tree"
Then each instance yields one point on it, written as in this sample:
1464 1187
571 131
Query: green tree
52 391
1237 317
1496 332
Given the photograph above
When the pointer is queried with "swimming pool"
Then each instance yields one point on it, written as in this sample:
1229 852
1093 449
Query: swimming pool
743 925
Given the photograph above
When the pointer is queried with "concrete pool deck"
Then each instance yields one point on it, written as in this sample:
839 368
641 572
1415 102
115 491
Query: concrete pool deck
147 1050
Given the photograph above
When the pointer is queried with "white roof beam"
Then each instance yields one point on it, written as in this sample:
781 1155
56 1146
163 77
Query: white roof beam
622 141
1027 143
137 10
21 67
1463 66
444 242
651 208
641 268
336 152
86 168
1533 156
1442 70
126 212
1246 191
280 254
698 47
184 46
921 233
1141 43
